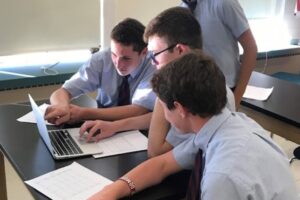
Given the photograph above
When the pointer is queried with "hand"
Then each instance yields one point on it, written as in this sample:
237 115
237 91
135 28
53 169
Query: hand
76 114
98 129
57 114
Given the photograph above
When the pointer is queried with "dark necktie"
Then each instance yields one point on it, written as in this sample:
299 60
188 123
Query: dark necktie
191 4
124 92
194 189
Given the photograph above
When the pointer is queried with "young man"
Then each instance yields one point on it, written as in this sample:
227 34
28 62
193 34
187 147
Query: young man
162 136
239 159
107 71
224 25
171 34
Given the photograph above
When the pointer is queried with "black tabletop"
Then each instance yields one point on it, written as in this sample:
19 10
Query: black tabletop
21 144
282 104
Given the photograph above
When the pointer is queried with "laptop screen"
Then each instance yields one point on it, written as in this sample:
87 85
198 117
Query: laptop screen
40 122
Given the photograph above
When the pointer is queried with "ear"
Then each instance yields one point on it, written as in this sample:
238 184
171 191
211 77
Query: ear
183 112
182 48
144 51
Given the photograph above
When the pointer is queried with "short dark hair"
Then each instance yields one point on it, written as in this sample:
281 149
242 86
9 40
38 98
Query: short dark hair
176 25
129 32
195 81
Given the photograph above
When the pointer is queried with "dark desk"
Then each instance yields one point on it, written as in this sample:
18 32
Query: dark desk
281 112
22 146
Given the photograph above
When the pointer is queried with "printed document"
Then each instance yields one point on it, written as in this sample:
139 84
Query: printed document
257 93
73 182
125 142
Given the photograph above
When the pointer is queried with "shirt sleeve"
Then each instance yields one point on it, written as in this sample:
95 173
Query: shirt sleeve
234 17
175 138
185 153
87 79
143 95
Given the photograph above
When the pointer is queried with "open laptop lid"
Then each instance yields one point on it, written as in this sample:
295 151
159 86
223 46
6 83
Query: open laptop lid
43 131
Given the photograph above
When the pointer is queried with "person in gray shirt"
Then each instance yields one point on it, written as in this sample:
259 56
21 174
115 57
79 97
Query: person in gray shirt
238 159
224 26
104 73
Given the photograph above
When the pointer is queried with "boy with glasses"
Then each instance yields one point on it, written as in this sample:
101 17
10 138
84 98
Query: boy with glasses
173 26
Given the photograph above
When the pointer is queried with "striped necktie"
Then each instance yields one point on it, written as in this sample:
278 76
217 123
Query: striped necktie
194 189
124 92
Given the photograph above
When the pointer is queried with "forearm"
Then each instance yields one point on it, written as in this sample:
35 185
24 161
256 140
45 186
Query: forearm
113 113
60 96
241 85
157 169
247 65
158 130
141 122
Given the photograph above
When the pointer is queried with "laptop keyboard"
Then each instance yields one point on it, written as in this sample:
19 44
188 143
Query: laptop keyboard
63 143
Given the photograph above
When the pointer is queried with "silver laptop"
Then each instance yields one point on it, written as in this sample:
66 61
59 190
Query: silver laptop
62 143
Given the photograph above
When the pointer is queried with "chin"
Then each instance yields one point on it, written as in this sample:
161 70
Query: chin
123 73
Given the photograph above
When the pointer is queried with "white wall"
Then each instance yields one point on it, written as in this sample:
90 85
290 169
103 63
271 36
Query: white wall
113 11
292 21
144 10
37 25
41 25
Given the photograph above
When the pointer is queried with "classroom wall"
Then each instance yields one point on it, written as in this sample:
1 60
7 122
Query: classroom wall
293 22
35 25
144 10
40 25
113 11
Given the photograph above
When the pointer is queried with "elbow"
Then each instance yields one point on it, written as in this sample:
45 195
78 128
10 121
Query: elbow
153 152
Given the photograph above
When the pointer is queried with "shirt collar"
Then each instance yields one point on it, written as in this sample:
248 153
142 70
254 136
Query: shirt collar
205 134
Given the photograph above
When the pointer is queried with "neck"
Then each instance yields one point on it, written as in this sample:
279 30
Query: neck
196 123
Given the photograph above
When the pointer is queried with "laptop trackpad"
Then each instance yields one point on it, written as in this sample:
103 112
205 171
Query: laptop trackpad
87 147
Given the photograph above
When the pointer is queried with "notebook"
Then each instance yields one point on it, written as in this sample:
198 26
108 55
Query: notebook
62 143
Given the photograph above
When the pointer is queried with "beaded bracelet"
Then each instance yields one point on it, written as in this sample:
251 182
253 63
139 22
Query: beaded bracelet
130 184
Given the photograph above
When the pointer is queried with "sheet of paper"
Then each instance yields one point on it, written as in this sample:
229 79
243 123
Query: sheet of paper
125 142
29 117
257 93
71 182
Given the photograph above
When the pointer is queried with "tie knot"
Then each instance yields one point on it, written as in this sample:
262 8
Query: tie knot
125 78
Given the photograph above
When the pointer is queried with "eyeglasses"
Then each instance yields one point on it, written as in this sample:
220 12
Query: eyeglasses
153 55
